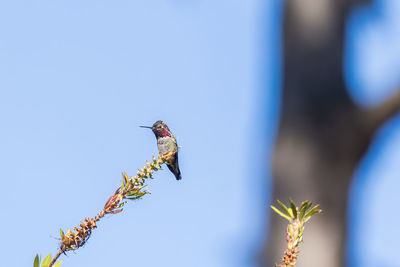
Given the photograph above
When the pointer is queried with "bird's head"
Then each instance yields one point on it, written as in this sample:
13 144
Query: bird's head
159 128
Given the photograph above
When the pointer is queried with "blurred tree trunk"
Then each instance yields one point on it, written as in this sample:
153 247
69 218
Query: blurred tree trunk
322 134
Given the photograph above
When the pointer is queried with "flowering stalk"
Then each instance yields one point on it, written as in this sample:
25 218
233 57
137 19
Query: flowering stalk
131 188
297 217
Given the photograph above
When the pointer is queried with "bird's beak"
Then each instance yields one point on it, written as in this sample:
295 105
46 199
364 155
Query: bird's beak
147 127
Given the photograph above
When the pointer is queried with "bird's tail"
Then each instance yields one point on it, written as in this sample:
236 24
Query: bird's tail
174 168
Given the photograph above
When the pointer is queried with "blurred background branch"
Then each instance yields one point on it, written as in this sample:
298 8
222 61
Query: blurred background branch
322 134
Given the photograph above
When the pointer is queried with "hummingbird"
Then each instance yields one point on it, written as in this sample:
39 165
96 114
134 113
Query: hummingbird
166 143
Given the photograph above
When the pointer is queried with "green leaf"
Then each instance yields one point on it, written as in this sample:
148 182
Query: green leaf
131 193
120 204
46 261
290 213
135 194
304 207
133 198
284 208
313 211
62 233
57 264
124 185
36 262
293 207
281 213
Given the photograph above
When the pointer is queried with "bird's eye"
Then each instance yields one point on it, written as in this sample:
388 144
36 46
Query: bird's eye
159 126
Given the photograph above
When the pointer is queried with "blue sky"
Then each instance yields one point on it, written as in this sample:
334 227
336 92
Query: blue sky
78 78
